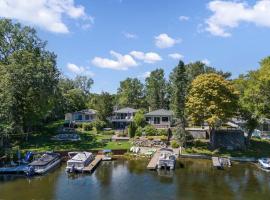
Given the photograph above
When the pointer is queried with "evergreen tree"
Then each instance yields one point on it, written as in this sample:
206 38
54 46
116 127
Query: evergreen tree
178 88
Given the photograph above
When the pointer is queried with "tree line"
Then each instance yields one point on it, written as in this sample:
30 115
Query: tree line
33 91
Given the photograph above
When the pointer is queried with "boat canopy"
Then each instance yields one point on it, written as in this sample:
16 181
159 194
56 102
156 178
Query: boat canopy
80 157
107 151
44 159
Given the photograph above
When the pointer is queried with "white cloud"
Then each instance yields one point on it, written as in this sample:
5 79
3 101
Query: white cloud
47 14
79 70
183 18
229 14
144 75
176 56
164 41
149 57
205 61
121 62
130 35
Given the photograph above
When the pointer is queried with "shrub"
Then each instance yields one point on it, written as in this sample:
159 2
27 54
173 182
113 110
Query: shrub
174 144
99 125
132 130
87 126
78 125
162 132
150 130
163 138
139 119
110 132
150 138
139 131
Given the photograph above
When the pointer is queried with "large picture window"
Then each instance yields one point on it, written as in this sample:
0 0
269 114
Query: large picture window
156 120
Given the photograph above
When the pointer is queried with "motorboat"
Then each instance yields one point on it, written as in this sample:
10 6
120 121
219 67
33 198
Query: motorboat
264 163
107 154
167 159
45 163
78 161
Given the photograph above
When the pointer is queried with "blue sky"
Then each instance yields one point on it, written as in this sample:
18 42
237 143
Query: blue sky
111 40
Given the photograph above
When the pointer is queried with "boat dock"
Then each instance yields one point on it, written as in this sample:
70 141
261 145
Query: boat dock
21 169
221 162
152 165
92 166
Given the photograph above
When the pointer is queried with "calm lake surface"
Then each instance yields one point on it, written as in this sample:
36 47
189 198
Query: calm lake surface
129 180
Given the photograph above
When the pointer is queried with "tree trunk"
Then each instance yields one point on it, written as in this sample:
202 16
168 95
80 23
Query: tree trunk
212 132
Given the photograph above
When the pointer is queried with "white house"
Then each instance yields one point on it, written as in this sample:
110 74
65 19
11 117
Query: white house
87 115
161 118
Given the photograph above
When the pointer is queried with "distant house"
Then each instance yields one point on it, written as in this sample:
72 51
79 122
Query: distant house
123 117
87 115
161 118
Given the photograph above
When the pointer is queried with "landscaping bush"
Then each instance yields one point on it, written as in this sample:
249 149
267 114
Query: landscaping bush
174 144
150 138
139 131
110 132
99 125
132 130
162 132
87 126
78 125
150 130
164 138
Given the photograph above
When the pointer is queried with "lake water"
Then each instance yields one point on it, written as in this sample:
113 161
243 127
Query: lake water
129 180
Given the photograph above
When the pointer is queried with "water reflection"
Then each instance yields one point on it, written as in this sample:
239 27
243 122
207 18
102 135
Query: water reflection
129 179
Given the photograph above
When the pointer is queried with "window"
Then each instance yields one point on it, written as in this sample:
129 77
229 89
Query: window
156 120
165 119
148 119
78 117
87 117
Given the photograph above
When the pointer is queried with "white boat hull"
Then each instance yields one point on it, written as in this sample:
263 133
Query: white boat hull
264 163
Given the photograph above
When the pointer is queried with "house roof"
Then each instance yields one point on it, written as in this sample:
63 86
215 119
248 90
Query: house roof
126 110
160 112
86 111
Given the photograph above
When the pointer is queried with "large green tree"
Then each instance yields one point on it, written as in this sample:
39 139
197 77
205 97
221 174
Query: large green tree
156 90
178 89
103 103
28 77
197 68
254 88
130 93
212 99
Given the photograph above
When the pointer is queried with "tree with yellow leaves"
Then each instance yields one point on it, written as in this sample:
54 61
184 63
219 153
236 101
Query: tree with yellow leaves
211 99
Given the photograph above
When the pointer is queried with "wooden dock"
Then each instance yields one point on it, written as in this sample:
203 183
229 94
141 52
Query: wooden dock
92 166
152 165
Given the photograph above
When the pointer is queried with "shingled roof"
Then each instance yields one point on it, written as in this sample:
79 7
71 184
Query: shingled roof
126 110
160 112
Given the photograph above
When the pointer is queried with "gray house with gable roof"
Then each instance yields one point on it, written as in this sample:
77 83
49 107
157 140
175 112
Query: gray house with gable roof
161 118
122 118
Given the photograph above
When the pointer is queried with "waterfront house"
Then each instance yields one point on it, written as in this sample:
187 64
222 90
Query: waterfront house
87 115
122 117
161 119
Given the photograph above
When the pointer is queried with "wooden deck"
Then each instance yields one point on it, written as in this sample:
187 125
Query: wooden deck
92 166
152 165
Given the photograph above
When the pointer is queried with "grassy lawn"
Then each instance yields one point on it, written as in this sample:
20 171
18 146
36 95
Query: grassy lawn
41 141
258 148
